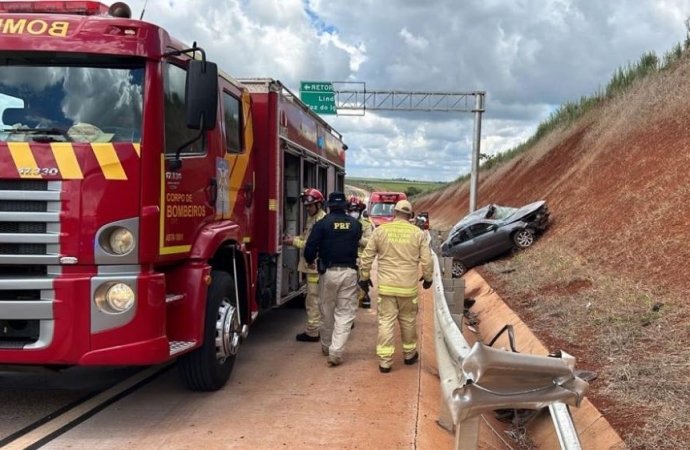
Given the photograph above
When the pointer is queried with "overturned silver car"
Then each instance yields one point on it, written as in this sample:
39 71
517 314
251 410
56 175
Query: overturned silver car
491 231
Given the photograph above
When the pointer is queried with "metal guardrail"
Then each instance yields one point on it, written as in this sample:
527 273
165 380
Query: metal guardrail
478 379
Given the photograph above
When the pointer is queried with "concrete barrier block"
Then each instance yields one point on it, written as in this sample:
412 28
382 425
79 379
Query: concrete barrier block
453 284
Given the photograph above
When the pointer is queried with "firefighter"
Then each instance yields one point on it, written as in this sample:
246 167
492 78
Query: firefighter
355 208
313 201
335 239
400 247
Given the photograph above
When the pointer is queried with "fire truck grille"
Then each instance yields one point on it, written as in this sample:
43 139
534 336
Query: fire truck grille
23 206
30 225
36 270
23 185
29 261
22 249
23 227
15 295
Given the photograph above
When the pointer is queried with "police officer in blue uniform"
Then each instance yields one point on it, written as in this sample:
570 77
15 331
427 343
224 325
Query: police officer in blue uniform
335 239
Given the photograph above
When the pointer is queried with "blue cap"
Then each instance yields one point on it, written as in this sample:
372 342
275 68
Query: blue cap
336 200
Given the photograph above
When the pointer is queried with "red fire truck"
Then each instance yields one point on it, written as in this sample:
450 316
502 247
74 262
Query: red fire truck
143 193
381 204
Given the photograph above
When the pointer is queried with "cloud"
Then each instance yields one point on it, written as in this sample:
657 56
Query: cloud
414 42
529 57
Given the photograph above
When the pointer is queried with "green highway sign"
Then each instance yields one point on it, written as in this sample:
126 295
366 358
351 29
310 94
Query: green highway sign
315 86
318 96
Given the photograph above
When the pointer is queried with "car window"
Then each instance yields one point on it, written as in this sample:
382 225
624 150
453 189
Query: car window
476 215
479 228
460 237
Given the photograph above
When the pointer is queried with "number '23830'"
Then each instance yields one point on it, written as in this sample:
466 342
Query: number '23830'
38 171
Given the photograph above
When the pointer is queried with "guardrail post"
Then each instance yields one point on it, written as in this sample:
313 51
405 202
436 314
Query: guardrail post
467 434
447 267
454 291
445 418
565 428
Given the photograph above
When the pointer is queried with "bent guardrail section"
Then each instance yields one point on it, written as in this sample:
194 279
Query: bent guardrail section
478 379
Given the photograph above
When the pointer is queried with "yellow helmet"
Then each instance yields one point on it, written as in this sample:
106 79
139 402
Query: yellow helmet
404 207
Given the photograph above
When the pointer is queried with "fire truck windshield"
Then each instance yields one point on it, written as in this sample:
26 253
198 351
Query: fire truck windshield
70 97
382 209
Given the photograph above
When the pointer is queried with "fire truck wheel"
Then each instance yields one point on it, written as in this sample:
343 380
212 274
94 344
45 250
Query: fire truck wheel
208 367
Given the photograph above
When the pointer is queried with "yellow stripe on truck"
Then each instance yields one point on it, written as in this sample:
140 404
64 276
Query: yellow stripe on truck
109 162
24 160
67 162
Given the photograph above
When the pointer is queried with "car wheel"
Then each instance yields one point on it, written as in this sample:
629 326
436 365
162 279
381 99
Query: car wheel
208 367
523 238
458 269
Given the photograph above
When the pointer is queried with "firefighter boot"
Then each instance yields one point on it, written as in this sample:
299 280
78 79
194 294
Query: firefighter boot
304 337
412 360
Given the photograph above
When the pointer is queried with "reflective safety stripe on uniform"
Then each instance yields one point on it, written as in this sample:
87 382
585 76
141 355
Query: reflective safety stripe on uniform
392 309
383 351
311 304
409 347
398 291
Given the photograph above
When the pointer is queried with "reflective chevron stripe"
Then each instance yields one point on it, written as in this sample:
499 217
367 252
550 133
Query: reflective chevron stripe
64 162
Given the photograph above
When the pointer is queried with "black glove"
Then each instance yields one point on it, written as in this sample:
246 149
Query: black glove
426 284
365 285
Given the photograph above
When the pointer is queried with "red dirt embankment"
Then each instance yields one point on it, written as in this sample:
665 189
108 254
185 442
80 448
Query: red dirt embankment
617 184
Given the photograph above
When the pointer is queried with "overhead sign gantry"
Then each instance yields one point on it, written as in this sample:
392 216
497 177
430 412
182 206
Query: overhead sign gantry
353 98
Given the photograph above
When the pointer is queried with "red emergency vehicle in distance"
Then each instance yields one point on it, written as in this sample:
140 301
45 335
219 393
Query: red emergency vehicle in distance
143 193
380 209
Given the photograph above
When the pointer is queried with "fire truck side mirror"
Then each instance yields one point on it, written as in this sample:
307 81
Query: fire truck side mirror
202 95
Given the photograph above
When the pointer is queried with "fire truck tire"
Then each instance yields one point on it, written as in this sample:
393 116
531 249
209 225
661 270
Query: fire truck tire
208 367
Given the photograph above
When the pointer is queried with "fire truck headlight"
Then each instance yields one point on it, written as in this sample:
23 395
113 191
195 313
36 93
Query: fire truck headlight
121 241
115 298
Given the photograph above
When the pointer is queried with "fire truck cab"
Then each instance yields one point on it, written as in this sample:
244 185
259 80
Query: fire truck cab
143 193
381 206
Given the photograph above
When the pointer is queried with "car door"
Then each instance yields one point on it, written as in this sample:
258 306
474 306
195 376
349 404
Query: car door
461 245
487 241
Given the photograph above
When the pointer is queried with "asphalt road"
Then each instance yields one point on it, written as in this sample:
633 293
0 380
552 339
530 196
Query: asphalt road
29 397
282 394
361 193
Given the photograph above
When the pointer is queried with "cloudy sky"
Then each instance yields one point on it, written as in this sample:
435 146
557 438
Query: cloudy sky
529 56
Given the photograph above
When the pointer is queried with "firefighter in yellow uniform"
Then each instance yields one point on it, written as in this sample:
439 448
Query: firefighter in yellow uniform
400 247
313 201
355 207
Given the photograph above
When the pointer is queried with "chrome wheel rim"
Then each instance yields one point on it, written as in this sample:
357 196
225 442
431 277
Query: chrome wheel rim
458 269
525 238
228 329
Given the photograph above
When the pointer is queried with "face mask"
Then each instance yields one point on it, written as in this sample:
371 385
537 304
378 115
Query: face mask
354 214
